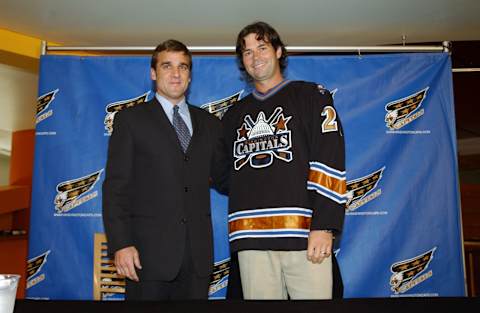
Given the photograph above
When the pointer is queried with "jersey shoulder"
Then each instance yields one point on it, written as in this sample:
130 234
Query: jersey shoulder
311 87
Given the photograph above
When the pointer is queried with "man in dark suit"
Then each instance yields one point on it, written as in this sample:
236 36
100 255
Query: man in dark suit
162 157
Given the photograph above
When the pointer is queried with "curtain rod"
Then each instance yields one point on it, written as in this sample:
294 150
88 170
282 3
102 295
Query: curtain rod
305 49
445 47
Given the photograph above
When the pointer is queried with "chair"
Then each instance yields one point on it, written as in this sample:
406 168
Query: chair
107 284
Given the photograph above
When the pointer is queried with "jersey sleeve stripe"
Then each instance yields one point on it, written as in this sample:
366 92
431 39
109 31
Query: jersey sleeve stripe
323 178
339 198
327 169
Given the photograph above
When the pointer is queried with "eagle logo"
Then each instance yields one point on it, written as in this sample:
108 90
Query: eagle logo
220 107
406 271
219 277
34 265
399 111
113 108
69 191
359 188
44 101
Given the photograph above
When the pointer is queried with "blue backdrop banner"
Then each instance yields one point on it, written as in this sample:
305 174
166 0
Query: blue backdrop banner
402 230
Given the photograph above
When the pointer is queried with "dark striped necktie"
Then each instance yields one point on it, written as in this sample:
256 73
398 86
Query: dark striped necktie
181 128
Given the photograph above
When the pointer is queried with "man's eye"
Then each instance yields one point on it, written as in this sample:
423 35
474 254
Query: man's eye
166 66
247 53
183 68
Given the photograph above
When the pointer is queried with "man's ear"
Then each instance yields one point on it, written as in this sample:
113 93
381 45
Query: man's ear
153 75
279 52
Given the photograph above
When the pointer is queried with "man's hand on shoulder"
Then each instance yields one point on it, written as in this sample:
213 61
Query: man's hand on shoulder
126 260
319 245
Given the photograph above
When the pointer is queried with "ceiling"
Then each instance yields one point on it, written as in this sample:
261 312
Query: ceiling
217 22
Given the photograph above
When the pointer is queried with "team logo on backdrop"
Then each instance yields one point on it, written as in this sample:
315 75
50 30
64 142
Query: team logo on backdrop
408 273
43 104
220 107
73 193
113 108
324 90
260 141
404 111
333 92
362 190
34 265
219 277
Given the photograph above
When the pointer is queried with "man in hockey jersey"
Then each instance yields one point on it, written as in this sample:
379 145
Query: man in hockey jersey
287 187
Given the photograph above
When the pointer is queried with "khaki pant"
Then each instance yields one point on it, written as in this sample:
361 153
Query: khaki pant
276 275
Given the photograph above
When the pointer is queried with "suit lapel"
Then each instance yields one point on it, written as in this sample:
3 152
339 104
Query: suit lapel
156 112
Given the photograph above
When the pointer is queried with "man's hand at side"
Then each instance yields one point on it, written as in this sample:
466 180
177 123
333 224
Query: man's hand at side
126 260
319 245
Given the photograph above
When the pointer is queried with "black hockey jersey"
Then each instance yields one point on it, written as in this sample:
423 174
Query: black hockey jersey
287 154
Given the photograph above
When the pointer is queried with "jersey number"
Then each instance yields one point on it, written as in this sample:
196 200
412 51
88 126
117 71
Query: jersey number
330 123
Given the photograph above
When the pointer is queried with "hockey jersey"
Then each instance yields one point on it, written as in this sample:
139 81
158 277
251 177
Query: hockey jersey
287 154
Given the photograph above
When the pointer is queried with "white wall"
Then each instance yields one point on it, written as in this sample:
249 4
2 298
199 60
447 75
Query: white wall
18 95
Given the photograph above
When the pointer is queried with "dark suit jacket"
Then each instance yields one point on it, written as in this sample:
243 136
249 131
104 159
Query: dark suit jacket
154 194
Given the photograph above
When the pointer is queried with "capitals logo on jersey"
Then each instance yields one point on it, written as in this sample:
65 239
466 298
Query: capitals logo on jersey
43 102
69 192
404 111
406 273
220 107
259 142
113 108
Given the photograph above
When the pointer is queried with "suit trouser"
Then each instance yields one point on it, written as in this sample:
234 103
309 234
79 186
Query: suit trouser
186 285
280 275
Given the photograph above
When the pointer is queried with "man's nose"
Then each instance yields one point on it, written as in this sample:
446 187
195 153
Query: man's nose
175 72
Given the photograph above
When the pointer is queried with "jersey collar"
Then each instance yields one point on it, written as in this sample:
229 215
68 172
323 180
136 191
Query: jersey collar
262 96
